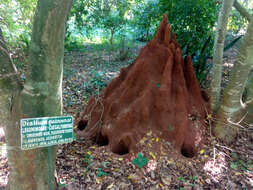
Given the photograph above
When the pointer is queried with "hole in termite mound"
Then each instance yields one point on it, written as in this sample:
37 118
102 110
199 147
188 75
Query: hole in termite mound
82 125
121 148
188 151
101 140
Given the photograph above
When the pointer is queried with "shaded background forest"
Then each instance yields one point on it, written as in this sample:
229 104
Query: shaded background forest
103 36
123 23
107 34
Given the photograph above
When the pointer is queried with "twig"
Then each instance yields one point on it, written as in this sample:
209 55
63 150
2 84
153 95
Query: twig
240 152
209 122
238 123
214 156
233 124
225 147
90 130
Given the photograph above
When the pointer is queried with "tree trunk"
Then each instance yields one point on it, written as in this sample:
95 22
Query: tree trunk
242 10
1 34
40 96
111 39
147 33
218 53
249 103
231 107
248 100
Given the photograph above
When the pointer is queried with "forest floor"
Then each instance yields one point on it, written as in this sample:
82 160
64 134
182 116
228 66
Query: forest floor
85 165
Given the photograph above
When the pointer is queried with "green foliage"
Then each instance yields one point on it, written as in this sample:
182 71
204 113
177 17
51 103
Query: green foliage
96 83
194 30
24 40
140 160
87 161
101 173
191 180
147 15
192 21
201 67
232 43
180 178
16 17
237 163
236 22
105 14
124 49
72 43
200 57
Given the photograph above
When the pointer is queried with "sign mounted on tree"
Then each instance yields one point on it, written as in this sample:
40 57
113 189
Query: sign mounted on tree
46 131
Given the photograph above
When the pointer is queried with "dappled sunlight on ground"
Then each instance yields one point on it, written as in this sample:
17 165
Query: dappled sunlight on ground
230 65
2 135
112 74
3 160
3 150
216 166
3 180
152 165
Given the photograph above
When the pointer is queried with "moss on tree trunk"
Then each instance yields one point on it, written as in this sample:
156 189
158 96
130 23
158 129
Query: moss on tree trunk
218 53
232 108
40 96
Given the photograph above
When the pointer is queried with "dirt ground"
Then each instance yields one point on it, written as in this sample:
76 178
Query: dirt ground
85 165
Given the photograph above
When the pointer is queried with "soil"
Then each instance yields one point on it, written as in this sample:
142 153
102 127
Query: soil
145 96
84 165
216 165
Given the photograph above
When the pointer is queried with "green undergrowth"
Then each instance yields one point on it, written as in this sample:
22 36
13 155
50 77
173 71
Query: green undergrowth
240 164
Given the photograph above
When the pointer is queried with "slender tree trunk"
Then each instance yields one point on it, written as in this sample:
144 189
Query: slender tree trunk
249 99
111 39
231 107
147 33
40 96
218 53
242 10
1 34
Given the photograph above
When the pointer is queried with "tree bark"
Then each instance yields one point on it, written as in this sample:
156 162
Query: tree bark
1 34
231 108
111 39
9 83
40 96
242 10
147 33
249 99
239 8
216 71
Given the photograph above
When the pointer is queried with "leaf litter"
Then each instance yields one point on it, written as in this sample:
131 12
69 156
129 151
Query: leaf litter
85 165
157 165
